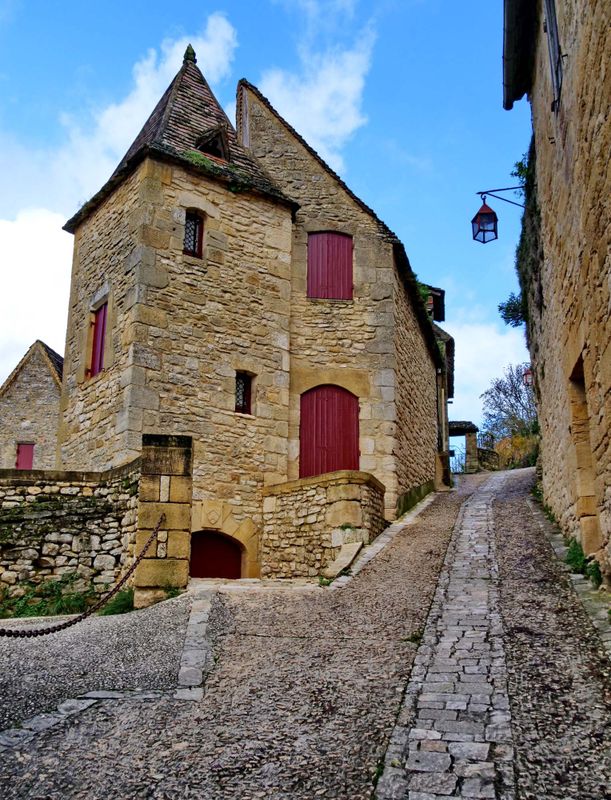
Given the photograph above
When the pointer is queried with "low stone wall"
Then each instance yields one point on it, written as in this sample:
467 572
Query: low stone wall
488 459
306 522
52 523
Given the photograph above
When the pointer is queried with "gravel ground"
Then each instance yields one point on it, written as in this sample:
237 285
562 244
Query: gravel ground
128 651
300 704
559 684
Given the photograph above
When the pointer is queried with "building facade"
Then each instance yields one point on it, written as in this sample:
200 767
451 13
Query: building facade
559 53
29 410
228 287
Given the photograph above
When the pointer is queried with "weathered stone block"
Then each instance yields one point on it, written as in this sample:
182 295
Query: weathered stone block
159 573
148 490
344 492
180 489
179 544
177 515
344 512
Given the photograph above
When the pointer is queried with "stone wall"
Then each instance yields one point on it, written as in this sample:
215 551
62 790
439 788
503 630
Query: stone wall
29 412
306 522
350 343
53 523
181 328
165 489
571 331
416 399
94 432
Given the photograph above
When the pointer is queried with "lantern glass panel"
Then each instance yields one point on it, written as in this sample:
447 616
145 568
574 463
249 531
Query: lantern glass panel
485 225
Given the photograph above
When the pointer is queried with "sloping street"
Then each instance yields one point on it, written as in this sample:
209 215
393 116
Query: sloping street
458 662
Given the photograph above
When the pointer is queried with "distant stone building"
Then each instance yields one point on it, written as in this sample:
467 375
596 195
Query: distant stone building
29 410
559 53
250 330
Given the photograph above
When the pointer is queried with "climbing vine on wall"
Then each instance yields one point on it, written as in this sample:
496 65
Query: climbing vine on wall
528 305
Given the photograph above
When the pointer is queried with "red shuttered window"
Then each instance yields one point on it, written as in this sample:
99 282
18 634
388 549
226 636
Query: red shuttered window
328 431
330 265
25 455
99 336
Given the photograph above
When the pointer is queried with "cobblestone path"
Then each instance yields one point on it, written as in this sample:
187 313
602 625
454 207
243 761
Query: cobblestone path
299 704
457 663
453 735
509 696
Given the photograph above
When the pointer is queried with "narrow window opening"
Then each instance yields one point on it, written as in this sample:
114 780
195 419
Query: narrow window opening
25 455
194 234
98 340
555 53
243 392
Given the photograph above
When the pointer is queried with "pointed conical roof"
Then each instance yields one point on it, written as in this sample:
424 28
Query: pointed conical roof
187 115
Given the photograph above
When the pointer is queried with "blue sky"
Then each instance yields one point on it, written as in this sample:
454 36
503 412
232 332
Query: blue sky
402 97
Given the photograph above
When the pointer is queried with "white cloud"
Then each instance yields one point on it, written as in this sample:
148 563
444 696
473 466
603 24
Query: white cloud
483 352
323 101
36 253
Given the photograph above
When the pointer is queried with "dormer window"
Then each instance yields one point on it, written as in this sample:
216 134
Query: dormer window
214 143
194 234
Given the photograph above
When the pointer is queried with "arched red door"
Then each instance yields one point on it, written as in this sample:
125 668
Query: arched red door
215 555
328 431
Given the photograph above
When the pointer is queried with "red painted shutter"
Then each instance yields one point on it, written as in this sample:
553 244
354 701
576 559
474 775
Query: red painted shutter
328 431
25 456
99 334
330 265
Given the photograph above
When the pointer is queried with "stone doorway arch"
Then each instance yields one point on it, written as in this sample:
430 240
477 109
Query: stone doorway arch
215 555
218 515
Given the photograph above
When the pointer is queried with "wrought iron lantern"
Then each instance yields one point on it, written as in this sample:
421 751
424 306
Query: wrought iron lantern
528 377
485 224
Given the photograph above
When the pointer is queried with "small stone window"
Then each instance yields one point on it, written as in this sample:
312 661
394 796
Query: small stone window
98 323
194 234
243 392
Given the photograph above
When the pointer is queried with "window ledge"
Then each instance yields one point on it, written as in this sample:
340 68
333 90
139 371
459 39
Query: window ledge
244 416
334 301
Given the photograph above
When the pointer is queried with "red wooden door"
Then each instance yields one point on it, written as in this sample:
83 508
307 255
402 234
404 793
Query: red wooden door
25 456
214 555
328 431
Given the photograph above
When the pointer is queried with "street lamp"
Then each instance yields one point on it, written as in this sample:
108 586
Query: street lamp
485 223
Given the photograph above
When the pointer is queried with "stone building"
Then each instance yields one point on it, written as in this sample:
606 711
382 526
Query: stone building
231 293
559 53
29 410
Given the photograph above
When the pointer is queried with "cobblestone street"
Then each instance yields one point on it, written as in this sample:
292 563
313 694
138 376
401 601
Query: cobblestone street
457 663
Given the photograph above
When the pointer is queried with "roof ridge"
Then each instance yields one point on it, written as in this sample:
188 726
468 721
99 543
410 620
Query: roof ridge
246 83
25 358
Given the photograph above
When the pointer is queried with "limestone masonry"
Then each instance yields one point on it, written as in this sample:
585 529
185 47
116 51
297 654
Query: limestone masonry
233 300
568 288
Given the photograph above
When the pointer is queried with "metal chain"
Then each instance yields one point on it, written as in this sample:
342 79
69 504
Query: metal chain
103 600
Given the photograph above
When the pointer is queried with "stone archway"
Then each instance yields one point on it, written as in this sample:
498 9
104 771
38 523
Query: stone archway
215 555
217 515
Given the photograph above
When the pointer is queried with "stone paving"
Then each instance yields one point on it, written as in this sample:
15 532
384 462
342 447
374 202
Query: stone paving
259 692
453 734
